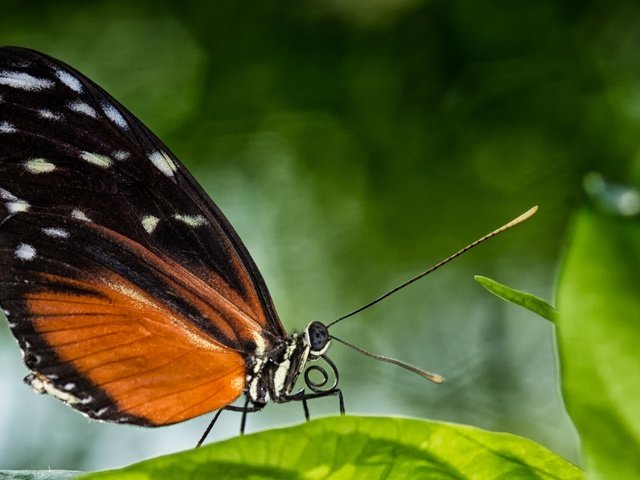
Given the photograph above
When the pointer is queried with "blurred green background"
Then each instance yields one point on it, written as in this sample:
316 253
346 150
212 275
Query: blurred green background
353 144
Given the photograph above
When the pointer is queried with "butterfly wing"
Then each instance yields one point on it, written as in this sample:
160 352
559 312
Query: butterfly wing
129 292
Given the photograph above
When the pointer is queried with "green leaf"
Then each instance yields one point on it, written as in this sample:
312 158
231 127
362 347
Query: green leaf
359 448
524 299
38 474
599 342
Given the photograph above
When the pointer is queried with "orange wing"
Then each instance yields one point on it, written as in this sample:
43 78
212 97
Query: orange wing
151 365
152 348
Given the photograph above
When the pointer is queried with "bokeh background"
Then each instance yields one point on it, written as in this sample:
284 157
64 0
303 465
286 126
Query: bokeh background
353 144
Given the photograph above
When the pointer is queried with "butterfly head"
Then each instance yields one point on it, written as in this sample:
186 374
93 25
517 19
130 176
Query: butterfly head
318 338
273 375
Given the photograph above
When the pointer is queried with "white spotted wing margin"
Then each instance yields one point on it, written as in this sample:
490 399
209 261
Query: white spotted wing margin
86 188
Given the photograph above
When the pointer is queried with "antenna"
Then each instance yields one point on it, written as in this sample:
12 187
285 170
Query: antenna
529 213
434 377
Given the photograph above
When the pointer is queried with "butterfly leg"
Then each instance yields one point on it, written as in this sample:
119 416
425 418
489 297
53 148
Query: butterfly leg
305 407
245 409
302 396
299 395
243 421
256 407
211 424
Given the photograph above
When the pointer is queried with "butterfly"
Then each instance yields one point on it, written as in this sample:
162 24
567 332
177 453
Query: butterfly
130 294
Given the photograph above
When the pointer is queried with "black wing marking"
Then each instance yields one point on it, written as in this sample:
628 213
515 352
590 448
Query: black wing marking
69 150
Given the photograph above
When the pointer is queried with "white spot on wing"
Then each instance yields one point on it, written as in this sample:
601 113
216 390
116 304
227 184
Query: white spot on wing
114 115
149 223
39 165
121 155
96 159
42 384
14 204
80 215
163 163
24 81
55 232
7 195
25 252
17 206
49 115
102 411
82 107
6 127
69 80
191 220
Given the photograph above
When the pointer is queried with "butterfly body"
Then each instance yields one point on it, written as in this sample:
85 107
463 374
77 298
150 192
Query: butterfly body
130 294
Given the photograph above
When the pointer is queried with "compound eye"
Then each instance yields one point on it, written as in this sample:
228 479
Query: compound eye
318 336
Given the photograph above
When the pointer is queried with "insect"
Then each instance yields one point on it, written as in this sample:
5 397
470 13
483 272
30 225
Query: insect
131 296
